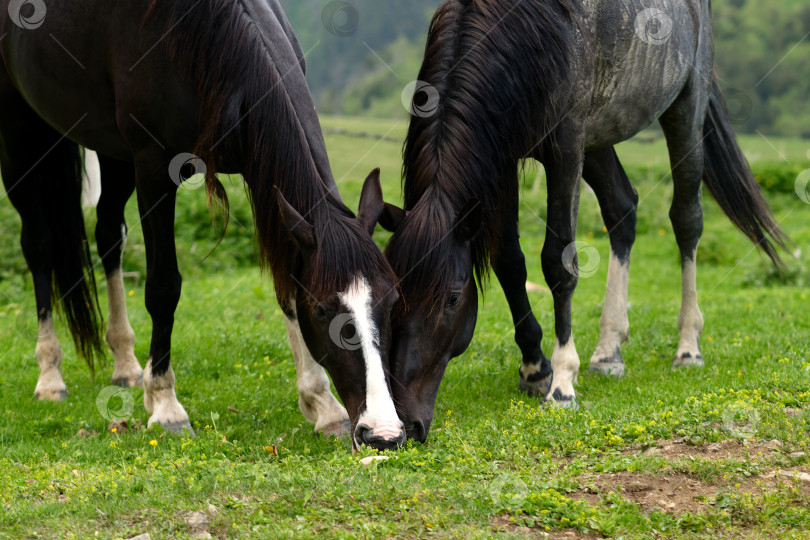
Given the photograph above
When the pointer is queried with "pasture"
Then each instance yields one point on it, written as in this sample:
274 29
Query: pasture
720 451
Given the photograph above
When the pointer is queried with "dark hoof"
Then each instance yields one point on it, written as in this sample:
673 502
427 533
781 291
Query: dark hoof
537 384
563 401
128 382
54 395
179 428
338 429
688 360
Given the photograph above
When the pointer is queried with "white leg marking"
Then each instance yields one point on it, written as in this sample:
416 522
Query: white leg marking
565 363
161 402
50 385
315 398
690 320
380 414
614 325
527 370
126 369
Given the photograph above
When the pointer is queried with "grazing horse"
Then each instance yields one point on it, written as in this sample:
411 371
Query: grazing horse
144 85
561 81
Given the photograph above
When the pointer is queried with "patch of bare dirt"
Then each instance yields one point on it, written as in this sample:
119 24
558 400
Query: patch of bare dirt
726 450
678 492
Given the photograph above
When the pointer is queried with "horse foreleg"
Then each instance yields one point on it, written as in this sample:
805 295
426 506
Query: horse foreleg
509 264
156 202
118 180
618 201
315 399
560 265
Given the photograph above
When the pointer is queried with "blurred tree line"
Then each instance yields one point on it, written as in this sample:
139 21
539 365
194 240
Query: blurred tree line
362 53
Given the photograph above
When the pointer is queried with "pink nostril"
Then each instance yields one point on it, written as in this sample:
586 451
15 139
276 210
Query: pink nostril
387 431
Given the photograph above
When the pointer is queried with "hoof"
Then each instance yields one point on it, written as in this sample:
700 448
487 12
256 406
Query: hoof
338 429
688 360
563 400
534 378
178 428
538 388
609 367
51 395
128 381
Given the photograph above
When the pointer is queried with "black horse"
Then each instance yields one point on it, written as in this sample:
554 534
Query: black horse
144 85
561 81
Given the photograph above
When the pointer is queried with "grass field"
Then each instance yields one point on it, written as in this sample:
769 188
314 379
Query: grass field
717 452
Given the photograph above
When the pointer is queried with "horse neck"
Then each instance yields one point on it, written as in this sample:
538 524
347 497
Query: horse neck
502 74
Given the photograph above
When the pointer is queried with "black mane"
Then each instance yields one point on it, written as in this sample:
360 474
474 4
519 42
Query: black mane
257 110
488 75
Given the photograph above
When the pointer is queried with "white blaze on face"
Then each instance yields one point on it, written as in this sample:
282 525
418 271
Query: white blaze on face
380 414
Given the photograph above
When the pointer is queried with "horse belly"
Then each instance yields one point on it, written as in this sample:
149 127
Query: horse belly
644 55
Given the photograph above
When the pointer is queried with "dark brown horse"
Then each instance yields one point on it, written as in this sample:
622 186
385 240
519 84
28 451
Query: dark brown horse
561 81
145 85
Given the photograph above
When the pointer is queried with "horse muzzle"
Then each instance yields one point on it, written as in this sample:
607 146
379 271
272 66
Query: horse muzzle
381 438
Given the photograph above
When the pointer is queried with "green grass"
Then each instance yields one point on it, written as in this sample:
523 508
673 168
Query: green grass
496 463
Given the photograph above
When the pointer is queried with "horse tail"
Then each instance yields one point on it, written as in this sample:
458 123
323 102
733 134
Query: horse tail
73 281
732 184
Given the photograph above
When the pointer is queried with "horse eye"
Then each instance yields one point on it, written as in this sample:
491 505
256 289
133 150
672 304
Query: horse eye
320 312
452 300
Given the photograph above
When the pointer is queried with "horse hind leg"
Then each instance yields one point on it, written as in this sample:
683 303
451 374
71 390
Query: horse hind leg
683 127
118 182
24 181
618 201
37 244
315 399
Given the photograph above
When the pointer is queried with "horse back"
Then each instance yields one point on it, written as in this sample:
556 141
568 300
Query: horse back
644 52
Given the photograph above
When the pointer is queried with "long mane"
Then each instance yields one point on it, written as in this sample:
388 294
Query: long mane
500 68
256 109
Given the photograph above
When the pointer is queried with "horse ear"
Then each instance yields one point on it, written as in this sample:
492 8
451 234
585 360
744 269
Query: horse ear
301 231
371 202
468 221
392 217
